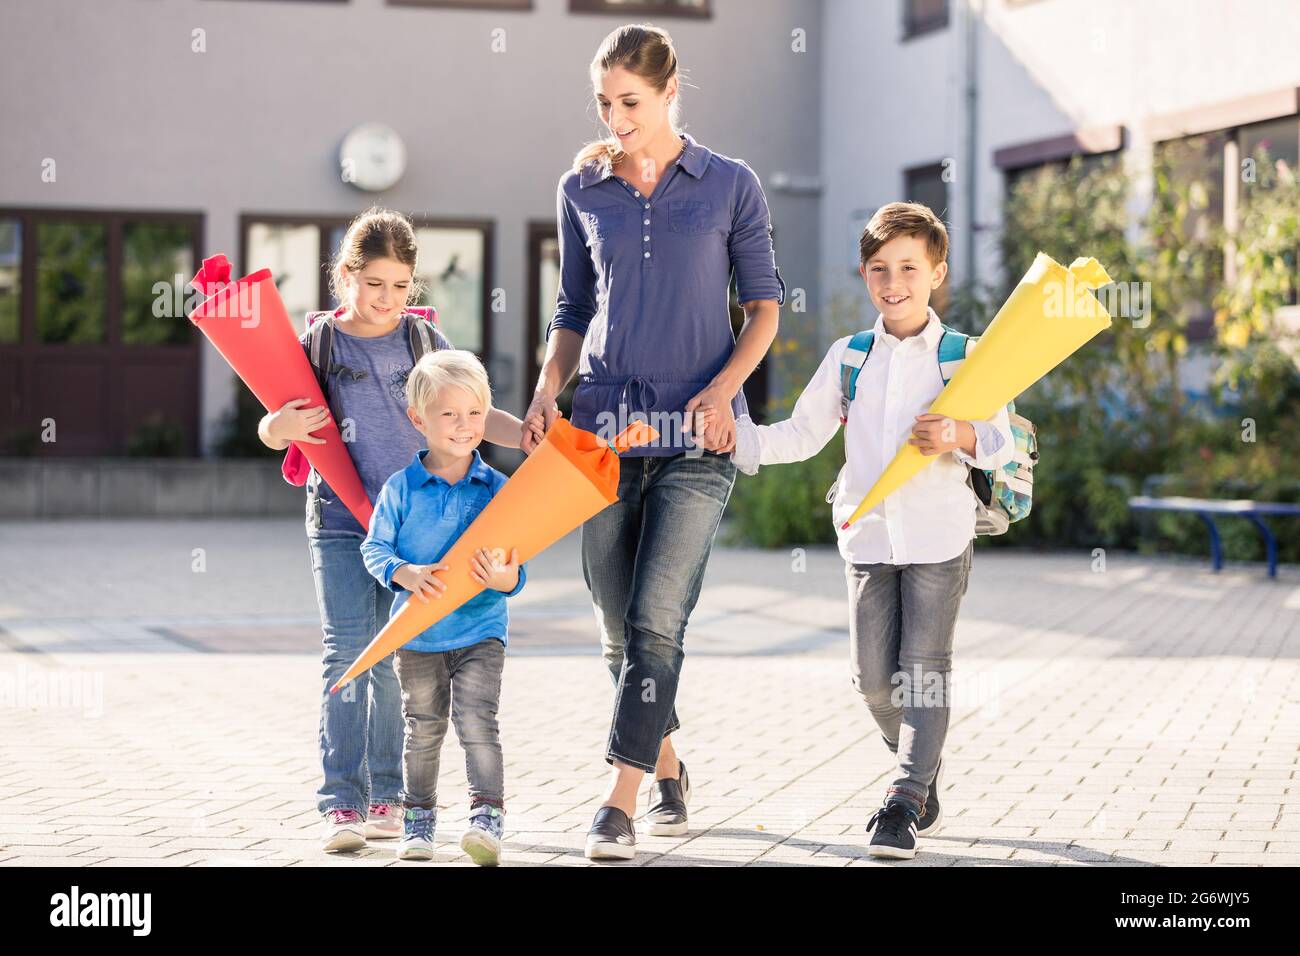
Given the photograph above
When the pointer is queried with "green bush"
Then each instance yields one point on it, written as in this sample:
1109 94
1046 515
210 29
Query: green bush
786 505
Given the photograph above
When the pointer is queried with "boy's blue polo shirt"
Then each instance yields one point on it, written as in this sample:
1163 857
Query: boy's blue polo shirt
417 518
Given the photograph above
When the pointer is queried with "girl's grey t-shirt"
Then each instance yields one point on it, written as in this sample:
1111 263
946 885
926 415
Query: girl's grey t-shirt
368 400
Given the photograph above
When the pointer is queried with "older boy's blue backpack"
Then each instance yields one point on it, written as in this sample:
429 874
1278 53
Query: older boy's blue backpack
1003 495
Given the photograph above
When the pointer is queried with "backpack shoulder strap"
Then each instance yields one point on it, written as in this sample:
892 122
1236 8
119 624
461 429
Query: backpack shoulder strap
954 346
855 356
320 346
418 337
423 334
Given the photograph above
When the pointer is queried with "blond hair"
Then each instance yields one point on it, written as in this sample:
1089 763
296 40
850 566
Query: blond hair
904 219
442 368
645 51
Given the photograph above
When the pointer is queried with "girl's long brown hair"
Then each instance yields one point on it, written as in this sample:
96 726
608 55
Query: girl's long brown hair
377 233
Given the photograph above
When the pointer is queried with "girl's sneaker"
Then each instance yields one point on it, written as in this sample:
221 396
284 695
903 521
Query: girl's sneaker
384 822
895 836
482 838
344 830
417 834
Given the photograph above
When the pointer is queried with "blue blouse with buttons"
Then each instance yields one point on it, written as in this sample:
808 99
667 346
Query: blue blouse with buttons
646 280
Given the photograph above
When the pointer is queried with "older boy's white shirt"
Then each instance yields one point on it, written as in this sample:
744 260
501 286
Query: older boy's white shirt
932 517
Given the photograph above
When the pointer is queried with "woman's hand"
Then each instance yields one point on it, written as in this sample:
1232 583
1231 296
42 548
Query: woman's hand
714 423
292 422
541 414
421 579
486 568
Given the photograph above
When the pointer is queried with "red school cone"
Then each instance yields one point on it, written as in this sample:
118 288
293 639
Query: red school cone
247 323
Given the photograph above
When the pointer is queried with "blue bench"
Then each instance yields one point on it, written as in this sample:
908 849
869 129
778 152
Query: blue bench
1207 509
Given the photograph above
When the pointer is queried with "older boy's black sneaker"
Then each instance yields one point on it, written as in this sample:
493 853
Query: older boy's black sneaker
611 836
895 826
932 813
667 815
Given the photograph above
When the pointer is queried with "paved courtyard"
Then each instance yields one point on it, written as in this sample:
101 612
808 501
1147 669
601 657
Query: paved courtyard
159 682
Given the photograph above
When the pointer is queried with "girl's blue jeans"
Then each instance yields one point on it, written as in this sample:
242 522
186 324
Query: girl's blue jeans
361 725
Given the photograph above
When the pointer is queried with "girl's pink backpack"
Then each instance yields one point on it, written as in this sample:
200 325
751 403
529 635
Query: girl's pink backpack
425 336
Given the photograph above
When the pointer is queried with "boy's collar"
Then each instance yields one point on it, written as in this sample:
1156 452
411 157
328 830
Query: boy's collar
930 333
417 474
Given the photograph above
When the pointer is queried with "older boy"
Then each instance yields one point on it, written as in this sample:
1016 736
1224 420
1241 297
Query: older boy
908 561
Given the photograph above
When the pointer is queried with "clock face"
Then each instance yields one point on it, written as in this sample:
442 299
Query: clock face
372 157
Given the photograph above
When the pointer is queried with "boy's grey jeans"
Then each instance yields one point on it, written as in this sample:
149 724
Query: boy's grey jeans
465 683
900 649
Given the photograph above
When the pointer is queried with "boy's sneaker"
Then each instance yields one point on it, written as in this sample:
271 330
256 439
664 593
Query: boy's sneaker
482 838
611 836
667 815
383 822
417 834
344 830
932 813
895 836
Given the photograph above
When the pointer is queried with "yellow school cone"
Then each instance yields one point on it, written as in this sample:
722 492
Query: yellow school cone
1048 317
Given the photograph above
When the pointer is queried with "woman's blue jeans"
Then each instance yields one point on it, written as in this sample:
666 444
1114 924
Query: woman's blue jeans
643 558
361 725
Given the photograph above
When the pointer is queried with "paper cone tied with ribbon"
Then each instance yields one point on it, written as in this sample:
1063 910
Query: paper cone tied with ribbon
246 322
1050 315
571 476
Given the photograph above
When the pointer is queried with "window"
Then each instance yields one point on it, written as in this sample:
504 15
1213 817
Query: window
1087 162
293 254
93 333
466 4
1276 140
451 271
543 285
11 254
660 8
453 266
926 185
923 16
71 279
1220 171
153 252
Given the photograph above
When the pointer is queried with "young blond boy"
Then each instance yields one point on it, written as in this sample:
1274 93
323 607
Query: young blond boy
454 667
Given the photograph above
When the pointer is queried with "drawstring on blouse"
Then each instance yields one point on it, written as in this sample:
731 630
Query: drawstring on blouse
640 385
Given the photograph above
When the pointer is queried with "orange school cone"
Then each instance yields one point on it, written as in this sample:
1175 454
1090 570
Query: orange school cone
1048 318
247 323
569 477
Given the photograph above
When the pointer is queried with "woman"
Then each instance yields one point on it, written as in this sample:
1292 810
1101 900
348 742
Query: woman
651 226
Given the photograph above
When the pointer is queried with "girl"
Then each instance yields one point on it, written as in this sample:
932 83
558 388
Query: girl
361 729
651 227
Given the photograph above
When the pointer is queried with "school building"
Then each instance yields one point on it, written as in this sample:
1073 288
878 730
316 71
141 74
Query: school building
139 136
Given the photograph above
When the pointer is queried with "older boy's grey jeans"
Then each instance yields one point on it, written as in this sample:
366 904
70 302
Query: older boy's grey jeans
464 683
900 649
